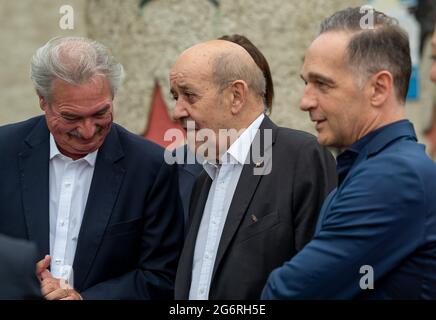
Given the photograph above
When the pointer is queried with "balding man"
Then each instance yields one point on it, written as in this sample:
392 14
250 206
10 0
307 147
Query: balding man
257 202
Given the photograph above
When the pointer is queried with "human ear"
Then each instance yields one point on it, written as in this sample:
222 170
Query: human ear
43 104
381 87
239 91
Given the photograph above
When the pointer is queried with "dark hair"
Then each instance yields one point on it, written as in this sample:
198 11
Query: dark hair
373 48
261 62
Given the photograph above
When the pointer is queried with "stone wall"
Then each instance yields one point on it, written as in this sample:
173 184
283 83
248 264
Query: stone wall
148 40
25 25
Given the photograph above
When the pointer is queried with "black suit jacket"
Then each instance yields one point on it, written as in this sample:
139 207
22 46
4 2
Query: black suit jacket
132 228
188 173
17 270
271 217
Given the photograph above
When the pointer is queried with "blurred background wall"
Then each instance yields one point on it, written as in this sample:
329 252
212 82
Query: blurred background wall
148 38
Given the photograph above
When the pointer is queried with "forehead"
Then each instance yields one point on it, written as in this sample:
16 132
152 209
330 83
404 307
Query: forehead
95 89
326 54
90 96
191 68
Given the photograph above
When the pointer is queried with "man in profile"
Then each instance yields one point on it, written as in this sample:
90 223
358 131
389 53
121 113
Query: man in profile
256 203
376 234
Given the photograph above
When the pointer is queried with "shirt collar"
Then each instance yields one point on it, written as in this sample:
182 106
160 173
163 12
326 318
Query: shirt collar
372 143
238 151
391 132
54 151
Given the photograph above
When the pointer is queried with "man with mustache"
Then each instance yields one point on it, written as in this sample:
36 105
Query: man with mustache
100 202
256 203
376 233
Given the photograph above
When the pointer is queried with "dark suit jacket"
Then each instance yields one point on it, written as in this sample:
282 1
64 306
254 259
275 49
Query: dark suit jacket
132 228
18 260
188 173
285 202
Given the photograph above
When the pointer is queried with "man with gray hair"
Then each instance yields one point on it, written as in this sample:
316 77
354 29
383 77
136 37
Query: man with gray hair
100 203
376 234
256 203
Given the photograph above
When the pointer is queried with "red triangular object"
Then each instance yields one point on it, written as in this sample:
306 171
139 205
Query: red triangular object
159 121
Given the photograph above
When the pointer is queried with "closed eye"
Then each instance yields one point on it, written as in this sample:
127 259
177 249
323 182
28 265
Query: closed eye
70 117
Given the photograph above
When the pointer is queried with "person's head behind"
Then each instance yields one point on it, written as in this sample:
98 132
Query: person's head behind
356 78
217 85
261 62
76 80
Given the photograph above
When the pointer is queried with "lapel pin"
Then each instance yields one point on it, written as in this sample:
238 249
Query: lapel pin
253 218
259 163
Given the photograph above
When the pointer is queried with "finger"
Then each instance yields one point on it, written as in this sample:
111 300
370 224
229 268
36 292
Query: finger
57 294
45 275
43 264
49 287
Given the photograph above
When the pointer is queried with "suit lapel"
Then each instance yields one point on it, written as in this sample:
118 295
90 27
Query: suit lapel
105 185
247 185
184 272
34 173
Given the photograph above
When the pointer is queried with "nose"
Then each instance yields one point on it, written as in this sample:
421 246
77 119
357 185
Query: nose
180 112
87 129
308 100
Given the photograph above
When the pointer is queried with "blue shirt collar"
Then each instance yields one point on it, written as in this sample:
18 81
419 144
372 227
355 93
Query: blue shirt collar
376 141
373 142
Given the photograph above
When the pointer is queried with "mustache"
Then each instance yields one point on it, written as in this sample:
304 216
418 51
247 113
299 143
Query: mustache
77 134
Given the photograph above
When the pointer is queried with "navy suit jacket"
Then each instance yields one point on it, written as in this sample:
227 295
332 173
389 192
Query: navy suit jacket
17 270
382 215
132 227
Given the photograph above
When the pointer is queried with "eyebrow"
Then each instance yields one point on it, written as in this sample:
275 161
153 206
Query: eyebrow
316 76
182 88
104 109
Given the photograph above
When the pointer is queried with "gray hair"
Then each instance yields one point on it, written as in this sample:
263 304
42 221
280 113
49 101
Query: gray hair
74 60
384 46
228 67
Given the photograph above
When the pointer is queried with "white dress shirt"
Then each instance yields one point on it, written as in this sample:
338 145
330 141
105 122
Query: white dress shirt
70 181
225 178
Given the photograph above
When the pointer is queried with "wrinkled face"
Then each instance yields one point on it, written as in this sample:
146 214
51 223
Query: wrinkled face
79 116
433 52
332 95
199 100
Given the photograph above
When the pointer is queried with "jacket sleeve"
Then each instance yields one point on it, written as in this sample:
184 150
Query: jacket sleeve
315 177
369 223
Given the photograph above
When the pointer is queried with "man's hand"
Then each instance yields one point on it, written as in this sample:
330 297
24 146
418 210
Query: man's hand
51 287
57 289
